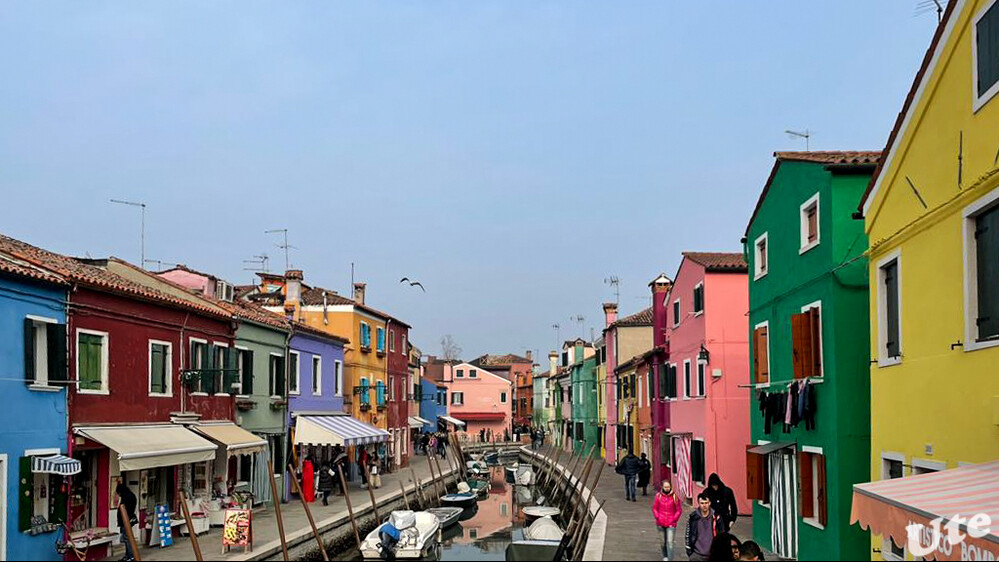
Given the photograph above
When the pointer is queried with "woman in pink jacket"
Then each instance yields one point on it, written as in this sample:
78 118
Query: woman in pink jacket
666 510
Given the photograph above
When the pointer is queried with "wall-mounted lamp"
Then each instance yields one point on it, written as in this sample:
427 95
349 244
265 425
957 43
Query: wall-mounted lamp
703 355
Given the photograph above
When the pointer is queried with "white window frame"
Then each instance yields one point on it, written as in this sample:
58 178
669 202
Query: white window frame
167 372
105 355
404 348
886 541
704 469
970 214
338 377
270 375
760 272
765 324
702 379
822 356
460 395
242 369
297 374
317 375
763 503
805 245
979 101
687 378
473 374
677 384
221 367
701 287
814 520
882 352
676 313
41 344
459 373
503 397
927 466
190 362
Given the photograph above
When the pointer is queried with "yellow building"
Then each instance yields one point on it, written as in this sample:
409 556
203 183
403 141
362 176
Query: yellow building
932 217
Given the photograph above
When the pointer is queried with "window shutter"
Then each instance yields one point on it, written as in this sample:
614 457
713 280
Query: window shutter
807 490
29 352
801 347
755 475
988 50
822 508
280 388
58 371
25 495
891 309
815 325
247 373
231 375
207 364
987 242
663 381
155 369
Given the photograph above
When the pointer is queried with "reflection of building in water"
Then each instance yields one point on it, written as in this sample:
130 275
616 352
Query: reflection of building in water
495 514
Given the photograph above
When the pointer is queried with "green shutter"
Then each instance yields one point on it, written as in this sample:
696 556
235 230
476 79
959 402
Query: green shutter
59 503
90 360
281 389
58 371
29 351
207 360
231 375
25 495
987 242
157 373
247 373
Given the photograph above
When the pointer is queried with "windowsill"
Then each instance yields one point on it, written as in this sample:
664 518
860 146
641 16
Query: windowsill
701 397
978 345
160 395
95 392
44 388
808 247
243 397
199 394
759 276
813 523
890 362
761 504
699 313
223 395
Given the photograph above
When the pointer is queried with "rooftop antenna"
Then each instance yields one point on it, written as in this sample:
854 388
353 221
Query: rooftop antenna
159 264
258 263
807 135
579 319
615 283
285 246
927 6
556 328
142 231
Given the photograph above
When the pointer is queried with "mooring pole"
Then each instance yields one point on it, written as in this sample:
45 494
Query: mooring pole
308 512
190 526
277 509
350 509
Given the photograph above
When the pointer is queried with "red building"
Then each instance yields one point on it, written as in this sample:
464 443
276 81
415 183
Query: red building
400 387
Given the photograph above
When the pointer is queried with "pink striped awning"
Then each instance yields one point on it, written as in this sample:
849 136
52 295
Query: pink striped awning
888 507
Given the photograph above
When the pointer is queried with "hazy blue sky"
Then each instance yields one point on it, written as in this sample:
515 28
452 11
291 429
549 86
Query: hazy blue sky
511 155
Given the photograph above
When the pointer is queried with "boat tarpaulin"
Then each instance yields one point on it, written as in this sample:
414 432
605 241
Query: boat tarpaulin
149 446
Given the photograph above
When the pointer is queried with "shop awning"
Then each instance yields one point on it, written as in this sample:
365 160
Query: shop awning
336 430
770 447
887 507
140 447
452 421
55 464
482 416
417 421
235 439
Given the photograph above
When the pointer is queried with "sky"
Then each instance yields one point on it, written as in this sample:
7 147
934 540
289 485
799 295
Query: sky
510 155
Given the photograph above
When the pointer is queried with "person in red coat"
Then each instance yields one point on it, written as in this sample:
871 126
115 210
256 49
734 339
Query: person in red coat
308 481
667 510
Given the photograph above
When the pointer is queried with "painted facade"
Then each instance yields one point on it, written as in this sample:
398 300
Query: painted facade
480 399
433 403
660 373
625 338
518 370
584 398
600 394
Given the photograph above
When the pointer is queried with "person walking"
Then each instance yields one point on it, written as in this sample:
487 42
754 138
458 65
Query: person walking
375 470
725 547
339 463
667 509
362 465
644 474
326 482
629 467
722 501
702 527
127 499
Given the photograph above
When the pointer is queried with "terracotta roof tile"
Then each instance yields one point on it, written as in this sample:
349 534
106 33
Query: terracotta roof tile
856 157
643 318
499 360
10 264
719 261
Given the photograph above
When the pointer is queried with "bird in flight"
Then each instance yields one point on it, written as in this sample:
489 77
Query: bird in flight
413 283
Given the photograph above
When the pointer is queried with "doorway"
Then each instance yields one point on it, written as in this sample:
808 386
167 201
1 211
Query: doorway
784 503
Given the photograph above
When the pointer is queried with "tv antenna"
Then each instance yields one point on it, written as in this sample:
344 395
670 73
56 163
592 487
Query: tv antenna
927 6
556 328
142 231
615 282
579 319
257 264
807 135
159 264
286 246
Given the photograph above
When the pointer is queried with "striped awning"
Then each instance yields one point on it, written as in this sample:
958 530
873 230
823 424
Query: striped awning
56 464
888 507
336 430
453 421
417 421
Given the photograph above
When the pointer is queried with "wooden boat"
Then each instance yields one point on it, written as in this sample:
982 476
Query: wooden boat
533 512
524 475
446 515
532 550
459 500
419 538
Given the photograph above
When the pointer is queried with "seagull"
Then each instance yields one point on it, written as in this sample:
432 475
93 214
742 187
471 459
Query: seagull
413 283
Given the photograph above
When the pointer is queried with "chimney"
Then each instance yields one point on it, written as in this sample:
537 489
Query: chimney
289 311
359 292
553 363
660 287
530 356
610 313
293 286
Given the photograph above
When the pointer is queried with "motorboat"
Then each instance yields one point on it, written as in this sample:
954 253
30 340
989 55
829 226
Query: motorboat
479 487
478 465
544 529
511 473
446 515
533 512
532 550
492 457
462 500
406 534
524 475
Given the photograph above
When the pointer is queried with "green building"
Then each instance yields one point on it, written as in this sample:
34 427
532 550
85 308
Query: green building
585 420
808 312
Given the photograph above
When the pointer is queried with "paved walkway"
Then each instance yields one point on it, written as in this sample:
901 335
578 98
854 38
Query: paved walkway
296 524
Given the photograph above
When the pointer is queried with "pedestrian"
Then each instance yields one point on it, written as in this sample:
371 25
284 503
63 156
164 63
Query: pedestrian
339 464
375 470
534 439
433 445
425 442
667 510
725 548
326 482
629 467
308 488
362 465
722 501
702 527
127 499
442 443
750 551
644 474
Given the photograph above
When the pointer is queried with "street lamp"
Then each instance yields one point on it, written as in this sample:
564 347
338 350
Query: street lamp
703 355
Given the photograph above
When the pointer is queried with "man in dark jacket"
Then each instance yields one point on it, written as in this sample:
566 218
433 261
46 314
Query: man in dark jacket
702 527
127 499
326 482
722 502
629 467
644 474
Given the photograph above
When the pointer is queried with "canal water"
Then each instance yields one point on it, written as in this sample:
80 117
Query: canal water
484 531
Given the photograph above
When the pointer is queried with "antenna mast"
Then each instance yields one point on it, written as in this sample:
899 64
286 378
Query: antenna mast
142 231
285 246
615 282
807 135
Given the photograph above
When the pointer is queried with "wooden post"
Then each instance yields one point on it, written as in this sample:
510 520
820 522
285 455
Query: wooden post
439 486
277 509
433 481
579 546
440 471
190 526
567 492
308 513
419 490
127 523
552 464
405 498
350 509
371 493
575 482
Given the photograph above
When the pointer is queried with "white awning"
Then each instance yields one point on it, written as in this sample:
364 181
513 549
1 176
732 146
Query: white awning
453 421
336 430
148 446
417 421
235 439
56 464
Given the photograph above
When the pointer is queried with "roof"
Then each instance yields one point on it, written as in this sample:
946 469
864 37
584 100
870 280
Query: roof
830 157
251 312
637 360
12 265
642 318
719 262
303 328
910 98
77 271
182 267
500 360
315 296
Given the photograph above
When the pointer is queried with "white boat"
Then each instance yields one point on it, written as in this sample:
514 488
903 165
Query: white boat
446 515
477 465
533 512
418 536
459 500
544 529
524 475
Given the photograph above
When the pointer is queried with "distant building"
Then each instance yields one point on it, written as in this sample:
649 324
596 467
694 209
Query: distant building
480 399
520 371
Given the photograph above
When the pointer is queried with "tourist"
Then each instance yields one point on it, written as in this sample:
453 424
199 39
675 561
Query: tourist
725 547
326 482
482 435
629 467
442 443
339 464
644 474
362 466
127 499
667 510
702 527
374 469
750 551
722 501
425 443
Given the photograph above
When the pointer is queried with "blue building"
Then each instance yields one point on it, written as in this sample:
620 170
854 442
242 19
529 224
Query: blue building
433 404
34 468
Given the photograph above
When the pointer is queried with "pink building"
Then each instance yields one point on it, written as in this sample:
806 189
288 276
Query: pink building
707 326
480 399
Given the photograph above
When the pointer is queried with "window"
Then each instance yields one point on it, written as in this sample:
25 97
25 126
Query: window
365 336
317 375
686 379
44 352
92 361
565 358
580 436
699 299
457 398
761 256
812 468
459 374
276 376
404 348
892 468
809 224
697 461
761 353
244 364
701 384
277 453
392 341
223 291
986 55
806 342
758 475
220 362
889 312
676 313
380 393
365 390
663 382
671 382
41 495
160 368
983 296
472 374
665 450
199 361
338 378
381 340
294 373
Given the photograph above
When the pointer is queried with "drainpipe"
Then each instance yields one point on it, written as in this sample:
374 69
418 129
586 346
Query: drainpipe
183 348
286 417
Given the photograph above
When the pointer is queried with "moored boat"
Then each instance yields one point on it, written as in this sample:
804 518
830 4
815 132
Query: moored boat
407 534
544 529
467 499
531 550
533 512
446 515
